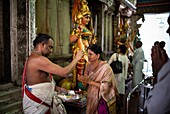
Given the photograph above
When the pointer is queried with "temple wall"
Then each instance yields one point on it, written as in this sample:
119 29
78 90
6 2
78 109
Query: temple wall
18 38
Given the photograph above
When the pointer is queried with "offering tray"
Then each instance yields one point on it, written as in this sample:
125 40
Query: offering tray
71 96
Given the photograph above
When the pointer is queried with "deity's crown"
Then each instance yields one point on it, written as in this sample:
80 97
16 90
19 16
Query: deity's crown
80 9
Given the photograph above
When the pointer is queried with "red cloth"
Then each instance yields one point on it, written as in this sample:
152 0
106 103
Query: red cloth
23 78
36 99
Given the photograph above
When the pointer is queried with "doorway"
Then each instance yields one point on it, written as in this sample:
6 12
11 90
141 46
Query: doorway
153 29
5 60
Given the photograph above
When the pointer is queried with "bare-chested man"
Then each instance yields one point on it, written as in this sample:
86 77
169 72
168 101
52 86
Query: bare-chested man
38 85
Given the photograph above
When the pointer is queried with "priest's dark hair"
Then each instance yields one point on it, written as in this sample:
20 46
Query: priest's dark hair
41 38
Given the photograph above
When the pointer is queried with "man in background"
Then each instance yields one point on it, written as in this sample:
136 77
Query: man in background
138 61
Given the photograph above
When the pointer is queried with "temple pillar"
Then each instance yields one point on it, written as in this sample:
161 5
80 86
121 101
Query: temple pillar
106 32
110 26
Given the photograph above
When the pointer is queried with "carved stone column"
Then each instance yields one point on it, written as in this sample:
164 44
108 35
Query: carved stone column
14 43
110 26
32 27
106 32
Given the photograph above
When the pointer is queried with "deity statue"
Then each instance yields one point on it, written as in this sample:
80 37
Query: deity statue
81 36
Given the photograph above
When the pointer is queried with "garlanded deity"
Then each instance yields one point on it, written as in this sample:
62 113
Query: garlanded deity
81 36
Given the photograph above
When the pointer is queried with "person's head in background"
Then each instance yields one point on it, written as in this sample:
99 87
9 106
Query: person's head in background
168 30
138 44
162 44
156 43
122 49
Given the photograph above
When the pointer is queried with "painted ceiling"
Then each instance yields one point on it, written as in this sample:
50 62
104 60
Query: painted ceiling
153 6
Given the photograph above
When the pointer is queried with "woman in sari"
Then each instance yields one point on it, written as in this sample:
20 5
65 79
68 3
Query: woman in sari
100 81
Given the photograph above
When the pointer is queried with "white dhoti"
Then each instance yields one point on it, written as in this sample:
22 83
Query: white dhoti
45 92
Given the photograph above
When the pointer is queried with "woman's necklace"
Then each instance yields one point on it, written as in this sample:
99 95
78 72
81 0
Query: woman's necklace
95 66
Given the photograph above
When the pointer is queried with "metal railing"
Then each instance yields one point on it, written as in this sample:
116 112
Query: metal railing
138 87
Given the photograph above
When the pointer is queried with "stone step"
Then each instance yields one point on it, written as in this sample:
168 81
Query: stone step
13 108
4 102
13 93
10 96
15 112
11 100
6 86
